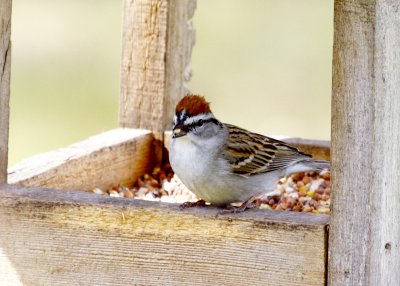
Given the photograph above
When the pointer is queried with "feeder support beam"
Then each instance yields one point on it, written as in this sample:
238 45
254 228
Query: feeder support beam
157 40
364 238
5 63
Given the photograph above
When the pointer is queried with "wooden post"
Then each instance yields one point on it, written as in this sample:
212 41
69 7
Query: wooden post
364 239
5 62
158 36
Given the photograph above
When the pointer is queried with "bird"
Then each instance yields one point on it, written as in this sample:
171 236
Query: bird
222 163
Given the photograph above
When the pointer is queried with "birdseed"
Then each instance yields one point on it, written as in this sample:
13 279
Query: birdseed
301 192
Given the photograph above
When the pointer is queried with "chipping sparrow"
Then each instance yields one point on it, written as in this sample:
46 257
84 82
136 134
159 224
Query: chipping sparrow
222 163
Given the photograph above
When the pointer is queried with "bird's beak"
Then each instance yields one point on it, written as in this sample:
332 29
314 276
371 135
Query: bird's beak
179 131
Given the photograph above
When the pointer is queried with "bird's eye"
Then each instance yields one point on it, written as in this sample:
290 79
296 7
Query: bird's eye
200 122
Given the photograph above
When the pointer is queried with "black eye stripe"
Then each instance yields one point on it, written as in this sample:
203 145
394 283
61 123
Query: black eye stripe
215 121
181 117
201 122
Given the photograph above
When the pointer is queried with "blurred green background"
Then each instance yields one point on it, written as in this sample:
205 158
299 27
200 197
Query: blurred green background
264 64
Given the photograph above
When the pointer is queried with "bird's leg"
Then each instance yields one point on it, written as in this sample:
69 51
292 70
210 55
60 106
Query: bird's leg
199 203
249 204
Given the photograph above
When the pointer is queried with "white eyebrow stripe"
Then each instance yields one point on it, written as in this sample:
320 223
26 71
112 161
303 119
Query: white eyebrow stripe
182 114
204 116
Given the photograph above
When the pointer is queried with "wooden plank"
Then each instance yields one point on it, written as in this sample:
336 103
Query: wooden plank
364 245
117 156
5 64
76 238
157 39
319 149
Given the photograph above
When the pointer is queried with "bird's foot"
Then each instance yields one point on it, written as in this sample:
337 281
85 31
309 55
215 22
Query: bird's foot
199 203
249 204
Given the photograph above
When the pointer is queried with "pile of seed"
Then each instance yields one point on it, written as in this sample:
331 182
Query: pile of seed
161 185
302 192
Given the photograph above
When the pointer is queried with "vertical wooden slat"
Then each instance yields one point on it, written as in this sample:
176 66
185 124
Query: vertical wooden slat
180 41
5 63
143 64
157 41
364 239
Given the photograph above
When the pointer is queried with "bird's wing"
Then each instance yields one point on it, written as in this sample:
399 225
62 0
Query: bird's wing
251 153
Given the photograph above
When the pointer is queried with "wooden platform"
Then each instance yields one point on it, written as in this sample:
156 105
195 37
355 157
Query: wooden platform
64 235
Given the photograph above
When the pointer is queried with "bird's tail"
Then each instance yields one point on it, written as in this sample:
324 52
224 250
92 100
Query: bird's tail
319 165
308 165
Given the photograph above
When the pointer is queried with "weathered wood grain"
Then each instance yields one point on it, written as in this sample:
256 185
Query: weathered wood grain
144 45
75 238
364 244
319 149
5 65
180 41
117 156
158 37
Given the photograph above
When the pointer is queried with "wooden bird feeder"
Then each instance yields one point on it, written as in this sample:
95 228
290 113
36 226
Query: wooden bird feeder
53 233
